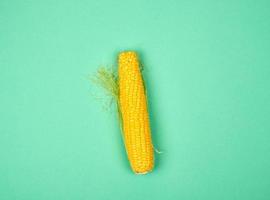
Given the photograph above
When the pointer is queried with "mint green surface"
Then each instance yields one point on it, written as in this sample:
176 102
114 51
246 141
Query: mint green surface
207 69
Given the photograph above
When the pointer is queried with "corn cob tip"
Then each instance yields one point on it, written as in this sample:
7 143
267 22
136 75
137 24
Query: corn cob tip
125 53
128 56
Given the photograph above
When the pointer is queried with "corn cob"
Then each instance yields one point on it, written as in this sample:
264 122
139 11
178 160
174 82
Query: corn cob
135 118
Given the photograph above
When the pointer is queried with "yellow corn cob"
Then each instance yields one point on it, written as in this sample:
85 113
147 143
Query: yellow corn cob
135 118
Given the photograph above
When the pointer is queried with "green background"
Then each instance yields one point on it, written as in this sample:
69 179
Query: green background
207 71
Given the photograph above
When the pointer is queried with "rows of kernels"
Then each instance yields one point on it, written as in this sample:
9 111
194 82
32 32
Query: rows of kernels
133 107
